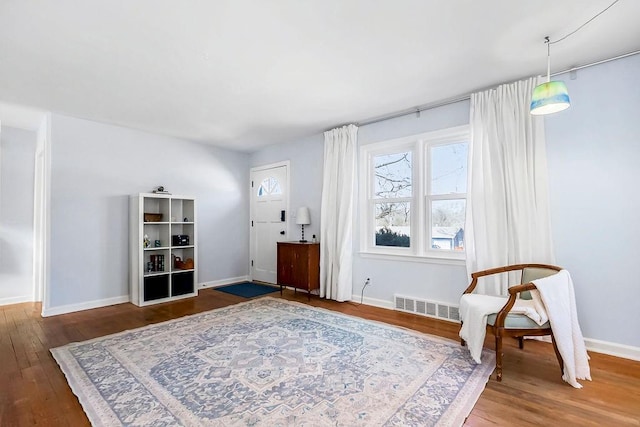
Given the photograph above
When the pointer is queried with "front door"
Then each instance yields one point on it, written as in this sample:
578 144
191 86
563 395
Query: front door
269 218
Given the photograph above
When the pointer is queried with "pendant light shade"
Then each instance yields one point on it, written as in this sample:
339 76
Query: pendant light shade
549 97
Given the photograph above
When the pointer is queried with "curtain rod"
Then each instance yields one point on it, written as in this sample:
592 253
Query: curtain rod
417 110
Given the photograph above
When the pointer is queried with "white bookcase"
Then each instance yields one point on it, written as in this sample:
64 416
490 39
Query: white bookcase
155 275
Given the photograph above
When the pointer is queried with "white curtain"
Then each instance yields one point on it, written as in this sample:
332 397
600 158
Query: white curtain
508 220
336 213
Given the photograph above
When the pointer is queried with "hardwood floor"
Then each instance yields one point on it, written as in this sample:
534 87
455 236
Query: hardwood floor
33 390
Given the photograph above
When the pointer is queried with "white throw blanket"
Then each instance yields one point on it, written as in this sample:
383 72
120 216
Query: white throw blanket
475 308
559 299
532 308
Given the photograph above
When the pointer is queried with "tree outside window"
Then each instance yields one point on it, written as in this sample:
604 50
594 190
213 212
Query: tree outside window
393 192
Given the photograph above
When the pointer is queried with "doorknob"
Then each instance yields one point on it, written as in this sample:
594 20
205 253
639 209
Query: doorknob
282 232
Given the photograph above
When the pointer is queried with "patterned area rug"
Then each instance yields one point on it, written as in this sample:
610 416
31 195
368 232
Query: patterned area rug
271 362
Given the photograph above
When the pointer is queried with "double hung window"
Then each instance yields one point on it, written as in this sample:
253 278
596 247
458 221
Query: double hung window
414 195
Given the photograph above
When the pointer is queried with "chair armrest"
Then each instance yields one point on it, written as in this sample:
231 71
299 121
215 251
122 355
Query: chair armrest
471 287
521 288
498 270
513 294
475 276
502 314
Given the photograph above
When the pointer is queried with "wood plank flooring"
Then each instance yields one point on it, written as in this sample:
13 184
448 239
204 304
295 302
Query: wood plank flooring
33 390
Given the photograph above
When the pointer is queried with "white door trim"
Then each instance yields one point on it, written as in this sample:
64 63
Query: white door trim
39 121
42 215
287 164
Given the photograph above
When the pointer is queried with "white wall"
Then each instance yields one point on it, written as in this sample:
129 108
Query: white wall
594 172
96 167
17 157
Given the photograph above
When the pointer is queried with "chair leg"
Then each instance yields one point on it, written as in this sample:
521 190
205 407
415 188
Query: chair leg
558 356
521 342
462 342
499 357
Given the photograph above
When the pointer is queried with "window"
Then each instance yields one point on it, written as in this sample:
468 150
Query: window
414 195
392 177
269 186
446 194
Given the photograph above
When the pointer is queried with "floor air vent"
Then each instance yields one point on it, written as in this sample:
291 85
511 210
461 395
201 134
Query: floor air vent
427 308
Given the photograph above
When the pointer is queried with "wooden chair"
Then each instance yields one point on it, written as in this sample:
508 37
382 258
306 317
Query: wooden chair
505 324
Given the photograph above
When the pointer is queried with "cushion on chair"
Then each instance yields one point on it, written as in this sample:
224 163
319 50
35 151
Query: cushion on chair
517 321
529 274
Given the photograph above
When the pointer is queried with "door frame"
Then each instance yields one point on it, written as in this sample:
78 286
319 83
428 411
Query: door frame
38 121
287 164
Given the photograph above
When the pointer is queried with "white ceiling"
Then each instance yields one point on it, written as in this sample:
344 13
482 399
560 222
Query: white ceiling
248 73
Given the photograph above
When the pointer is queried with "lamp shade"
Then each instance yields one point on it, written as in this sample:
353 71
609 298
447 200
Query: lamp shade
549 97
303 217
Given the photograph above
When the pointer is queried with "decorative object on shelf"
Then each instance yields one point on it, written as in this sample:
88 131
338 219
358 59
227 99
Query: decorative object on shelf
152 217
149 267
187 264
157 243
180 240
186 219
146 242
313 239
303 218
160 190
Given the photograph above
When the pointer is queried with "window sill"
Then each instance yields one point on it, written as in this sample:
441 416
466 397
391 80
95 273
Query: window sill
427 259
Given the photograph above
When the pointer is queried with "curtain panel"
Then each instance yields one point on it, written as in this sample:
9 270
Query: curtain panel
336 213
508 218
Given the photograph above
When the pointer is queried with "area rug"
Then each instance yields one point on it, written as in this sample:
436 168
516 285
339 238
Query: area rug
248 289
271 362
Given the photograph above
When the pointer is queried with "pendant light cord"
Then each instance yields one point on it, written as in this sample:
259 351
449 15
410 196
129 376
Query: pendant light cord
548 42
583 25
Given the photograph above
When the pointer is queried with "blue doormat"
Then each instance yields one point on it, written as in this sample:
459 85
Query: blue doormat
248 289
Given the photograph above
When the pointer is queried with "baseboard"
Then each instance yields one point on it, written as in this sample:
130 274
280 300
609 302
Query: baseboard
613 349
223 282
54 311
16 300
605 347
70 308
373 301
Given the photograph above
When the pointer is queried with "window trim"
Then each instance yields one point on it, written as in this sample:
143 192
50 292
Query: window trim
420 197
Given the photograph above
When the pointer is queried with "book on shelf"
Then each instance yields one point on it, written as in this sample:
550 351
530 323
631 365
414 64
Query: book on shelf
157 262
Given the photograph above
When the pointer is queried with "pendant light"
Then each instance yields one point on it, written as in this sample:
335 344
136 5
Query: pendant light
549 97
